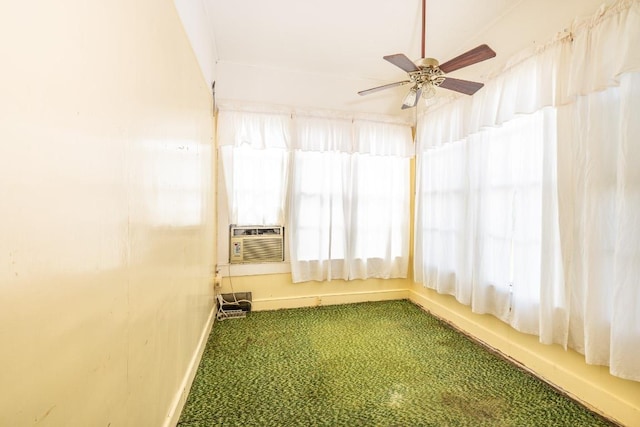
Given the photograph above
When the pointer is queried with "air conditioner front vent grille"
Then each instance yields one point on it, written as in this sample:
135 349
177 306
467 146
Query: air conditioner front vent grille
256 244
262 249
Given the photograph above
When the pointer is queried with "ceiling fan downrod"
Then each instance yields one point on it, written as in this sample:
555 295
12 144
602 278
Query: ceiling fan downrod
424 23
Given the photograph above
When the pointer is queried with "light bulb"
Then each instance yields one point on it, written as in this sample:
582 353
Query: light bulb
410 100
428 91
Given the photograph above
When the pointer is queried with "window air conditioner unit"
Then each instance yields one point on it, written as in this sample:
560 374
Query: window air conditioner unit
252 244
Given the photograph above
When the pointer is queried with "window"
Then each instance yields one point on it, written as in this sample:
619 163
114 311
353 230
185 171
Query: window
506 164
479 220
256 179
349 209
320 210
255 159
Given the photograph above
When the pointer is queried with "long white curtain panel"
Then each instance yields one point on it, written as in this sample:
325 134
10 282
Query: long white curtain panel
528 194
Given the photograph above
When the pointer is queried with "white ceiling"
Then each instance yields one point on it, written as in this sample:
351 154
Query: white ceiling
318 54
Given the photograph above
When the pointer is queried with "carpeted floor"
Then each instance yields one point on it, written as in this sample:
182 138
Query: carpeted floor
370 364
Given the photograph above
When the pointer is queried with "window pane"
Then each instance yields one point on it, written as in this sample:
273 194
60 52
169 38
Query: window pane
256 184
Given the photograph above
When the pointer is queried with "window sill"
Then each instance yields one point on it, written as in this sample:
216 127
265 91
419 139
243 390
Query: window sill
254 269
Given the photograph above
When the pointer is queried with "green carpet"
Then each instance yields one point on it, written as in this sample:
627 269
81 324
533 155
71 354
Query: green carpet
370 364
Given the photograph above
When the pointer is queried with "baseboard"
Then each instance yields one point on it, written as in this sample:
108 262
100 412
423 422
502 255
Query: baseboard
565 372
185 386
264 304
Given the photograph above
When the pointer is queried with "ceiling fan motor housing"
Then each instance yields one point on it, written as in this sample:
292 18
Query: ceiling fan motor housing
427 62
429 73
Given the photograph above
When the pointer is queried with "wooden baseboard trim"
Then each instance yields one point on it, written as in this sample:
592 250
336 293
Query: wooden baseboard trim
185 386
263 304
492 341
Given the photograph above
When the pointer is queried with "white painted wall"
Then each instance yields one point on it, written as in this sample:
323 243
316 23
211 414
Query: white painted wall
106 218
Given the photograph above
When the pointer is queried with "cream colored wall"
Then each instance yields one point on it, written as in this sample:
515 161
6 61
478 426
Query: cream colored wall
106 212
275 291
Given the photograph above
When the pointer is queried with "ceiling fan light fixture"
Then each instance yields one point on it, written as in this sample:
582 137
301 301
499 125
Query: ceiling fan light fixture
410 98
428 91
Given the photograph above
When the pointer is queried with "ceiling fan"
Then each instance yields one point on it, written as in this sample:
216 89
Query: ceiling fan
426 74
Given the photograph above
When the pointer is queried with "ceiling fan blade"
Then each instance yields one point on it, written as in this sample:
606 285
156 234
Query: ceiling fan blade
475 55
383 87
463 86
401 60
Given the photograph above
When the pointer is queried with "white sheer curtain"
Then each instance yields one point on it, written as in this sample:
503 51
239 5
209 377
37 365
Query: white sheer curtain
254 148
480 218
319 206
379 231
601 225
528 202
506 166
443 228
349 208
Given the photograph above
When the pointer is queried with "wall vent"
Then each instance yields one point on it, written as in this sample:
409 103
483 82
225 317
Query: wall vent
256 244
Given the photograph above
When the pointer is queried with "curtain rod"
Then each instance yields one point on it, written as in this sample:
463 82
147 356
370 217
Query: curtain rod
292 112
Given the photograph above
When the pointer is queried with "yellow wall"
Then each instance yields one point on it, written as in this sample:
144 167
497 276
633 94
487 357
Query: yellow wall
106 217
275 291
